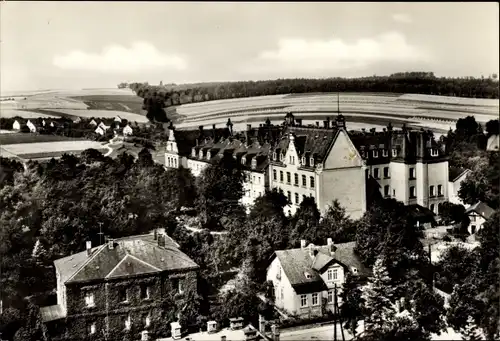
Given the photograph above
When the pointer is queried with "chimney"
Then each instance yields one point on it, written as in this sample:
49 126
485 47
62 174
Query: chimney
262 324
329 241
276 332
340 121
161 240
89 248
311 250
302 243
111 243
213 127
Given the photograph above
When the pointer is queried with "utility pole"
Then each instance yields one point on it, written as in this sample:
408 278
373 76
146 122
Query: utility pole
338 103
336 313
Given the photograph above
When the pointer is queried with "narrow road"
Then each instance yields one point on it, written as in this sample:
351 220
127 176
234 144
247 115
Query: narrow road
197 230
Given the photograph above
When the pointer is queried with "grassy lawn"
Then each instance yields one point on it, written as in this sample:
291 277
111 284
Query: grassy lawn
60 153
125 103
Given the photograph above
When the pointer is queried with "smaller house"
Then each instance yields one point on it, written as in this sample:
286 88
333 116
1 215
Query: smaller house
77 120
93 123
305 279
31 126
492 144
43 123
478 214
99 130
456 175
118 119
103 126
52 124
127 130
16 125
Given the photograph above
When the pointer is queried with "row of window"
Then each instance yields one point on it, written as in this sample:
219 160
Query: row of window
295 178
439 191
296 197
291 159
253 194
376 174
126 321
385 153
123 293
172 162
252 179
304 299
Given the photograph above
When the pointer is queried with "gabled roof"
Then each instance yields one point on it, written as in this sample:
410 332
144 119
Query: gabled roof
482 209
129 256
297 262
492 143
454 173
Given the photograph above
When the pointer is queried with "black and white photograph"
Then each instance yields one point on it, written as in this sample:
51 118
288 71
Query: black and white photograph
249 171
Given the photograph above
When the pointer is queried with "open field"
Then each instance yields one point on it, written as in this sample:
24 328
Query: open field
23 138
48 149
7 113
103 113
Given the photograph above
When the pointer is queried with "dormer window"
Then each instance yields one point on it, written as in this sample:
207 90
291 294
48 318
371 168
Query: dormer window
394 152
193 152
274 156
254 163
375 154
304 161
354 270
243 160
308 275
311 162
282 156
385 152
209 155
434 152
201 154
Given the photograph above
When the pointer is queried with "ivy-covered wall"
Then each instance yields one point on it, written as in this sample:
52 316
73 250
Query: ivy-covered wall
109 313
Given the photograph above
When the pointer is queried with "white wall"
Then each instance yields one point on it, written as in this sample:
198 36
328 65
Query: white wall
288 303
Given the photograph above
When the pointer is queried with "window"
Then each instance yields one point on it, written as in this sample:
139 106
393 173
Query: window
254 163
292 160
330 296
385 153
440 190
432 208
209 155
91 328
282 156
434 152
297 198
144 292
180 285
282 294
123 295
412 192
311 180
472 218
386 190
296 179
375 173
311 162
253 179
288 178
394 152
412 173
386 172
375 154
431 191
393 192
303 197
193 152
274 156
303 161
331 274
201 154
243 160
281 176
315 300
275 175
304 181
147 320
289 196
303 301
89 299
128 322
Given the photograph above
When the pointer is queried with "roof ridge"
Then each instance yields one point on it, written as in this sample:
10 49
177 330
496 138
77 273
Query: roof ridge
92 256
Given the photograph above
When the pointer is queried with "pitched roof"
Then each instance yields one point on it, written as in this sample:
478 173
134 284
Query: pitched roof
492 143
297 262
130 256
482 209
456 172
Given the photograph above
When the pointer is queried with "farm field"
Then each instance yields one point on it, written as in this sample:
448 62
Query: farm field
103 113
24 138
8 113
48 149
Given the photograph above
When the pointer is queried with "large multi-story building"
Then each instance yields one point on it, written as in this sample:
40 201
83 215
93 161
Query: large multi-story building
324 162
119 289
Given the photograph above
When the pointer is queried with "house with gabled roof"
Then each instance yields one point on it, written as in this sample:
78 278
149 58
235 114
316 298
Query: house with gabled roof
456 175
118 287
305 279
492 143
478 214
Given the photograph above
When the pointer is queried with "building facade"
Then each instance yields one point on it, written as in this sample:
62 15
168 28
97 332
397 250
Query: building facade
478 214
119 289
305 279
324 162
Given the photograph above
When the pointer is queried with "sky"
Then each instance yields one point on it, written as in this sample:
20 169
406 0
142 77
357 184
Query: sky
66 45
